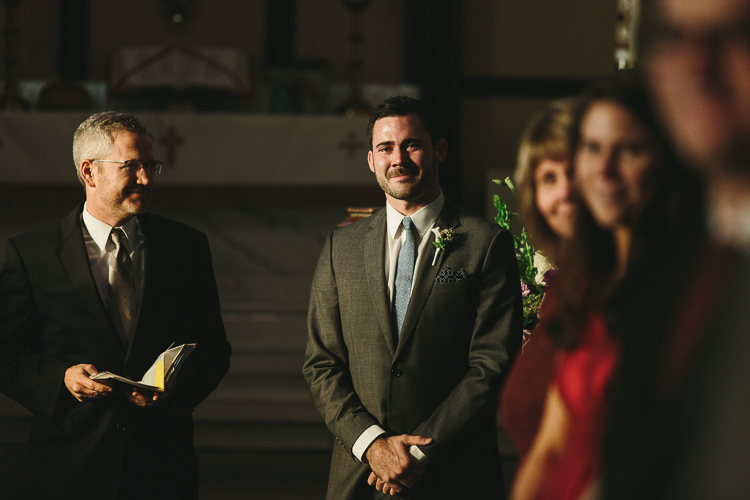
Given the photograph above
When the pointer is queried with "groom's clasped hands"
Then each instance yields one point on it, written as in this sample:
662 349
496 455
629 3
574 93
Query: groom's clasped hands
393 467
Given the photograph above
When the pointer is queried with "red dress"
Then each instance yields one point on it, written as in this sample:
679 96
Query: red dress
583 380
525 390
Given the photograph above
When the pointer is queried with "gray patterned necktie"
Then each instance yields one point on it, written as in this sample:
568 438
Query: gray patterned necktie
404 274
122 302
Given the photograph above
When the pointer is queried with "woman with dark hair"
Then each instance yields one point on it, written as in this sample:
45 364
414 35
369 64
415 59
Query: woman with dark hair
622 161
545 193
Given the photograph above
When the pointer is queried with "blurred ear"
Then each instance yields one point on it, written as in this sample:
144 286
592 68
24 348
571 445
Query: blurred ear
369 161
87 173
441 150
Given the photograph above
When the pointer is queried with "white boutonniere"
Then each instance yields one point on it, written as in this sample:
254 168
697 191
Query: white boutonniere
444 238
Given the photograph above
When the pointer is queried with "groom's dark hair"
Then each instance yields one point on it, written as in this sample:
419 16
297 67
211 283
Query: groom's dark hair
402 105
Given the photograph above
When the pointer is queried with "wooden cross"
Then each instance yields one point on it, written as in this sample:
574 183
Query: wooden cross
171 141
352 145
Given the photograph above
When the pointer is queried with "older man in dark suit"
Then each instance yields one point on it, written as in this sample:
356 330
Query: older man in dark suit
110 287
408 341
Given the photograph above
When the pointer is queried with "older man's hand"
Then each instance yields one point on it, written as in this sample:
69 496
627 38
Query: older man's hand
145 398
81 386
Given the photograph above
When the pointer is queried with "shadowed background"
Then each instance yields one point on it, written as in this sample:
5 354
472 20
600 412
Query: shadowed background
266 161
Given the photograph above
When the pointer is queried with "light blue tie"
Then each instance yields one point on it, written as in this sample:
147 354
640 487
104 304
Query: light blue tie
404 274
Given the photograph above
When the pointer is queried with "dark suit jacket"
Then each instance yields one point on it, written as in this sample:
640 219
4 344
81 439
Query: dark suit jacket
679 426
52 317
440 379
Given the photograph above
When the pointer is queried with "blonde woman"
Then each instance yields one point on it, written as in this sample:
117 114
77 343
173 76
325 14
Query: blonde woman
545 194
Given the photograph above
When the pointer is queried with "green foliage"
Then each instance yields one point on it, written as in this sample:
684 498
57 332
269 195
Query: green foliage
524 251
531 304
524 255
503 214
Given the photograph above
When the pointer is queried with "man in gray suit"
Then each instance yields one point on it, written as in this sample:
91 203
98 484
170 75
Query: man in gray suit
408 342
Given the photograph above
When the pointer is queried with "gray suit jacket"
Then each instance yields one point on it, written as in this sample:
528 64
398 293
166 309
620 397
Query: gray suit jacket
441 378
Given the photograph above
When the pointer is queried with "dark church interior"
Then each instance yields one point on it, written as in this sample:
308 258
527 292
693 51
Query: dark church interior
258 109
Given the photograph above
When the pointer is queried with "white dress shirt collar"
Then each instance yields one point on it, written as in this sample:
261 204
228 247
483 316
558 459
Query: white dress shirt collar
423 218
99 231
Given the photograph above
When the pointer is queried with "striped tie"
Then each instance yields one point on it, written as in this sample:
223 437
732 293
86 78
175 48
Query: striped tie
404 274
121 288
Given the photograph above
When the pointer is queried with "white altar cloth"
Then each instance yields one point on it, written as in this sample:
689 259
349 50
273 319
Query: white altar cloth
214 149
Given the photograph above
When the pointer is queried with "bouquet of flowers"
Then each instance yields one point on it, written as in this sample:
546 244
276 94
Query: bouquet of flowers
535 270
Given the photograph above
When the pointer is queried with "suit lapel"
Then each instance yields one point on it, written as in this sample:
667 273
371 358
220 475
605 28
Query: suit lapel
375 271
426 273
73 257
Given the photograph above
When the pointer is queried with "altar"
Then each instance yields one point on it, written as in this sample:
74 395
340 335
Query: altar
201 150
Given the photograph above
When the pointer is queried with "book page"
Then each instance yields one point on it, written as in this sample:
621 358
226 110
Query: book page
162 373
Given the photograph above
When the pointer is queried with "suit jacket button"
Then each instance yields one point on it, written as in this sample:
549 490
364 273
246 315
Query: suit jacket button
396 372
120 427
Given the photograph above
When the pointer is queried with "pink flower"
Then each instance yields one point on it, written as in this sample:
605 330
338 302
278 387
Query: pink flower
525 290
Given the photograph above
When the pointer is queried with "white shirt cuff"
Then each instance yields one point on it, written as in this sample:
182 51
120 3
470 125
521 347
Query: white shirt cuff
365 440
417 453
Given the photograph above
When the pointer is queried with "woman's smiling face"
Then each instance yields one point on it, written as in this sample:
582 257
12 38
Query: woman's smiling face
614 160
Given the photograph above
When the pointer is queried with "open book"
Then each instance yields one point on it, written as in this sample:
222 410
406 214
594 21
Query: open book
162 374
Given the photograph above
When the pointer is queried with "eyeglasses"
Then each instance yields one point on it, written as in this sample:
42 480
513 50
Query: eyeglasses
133 166
666 39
